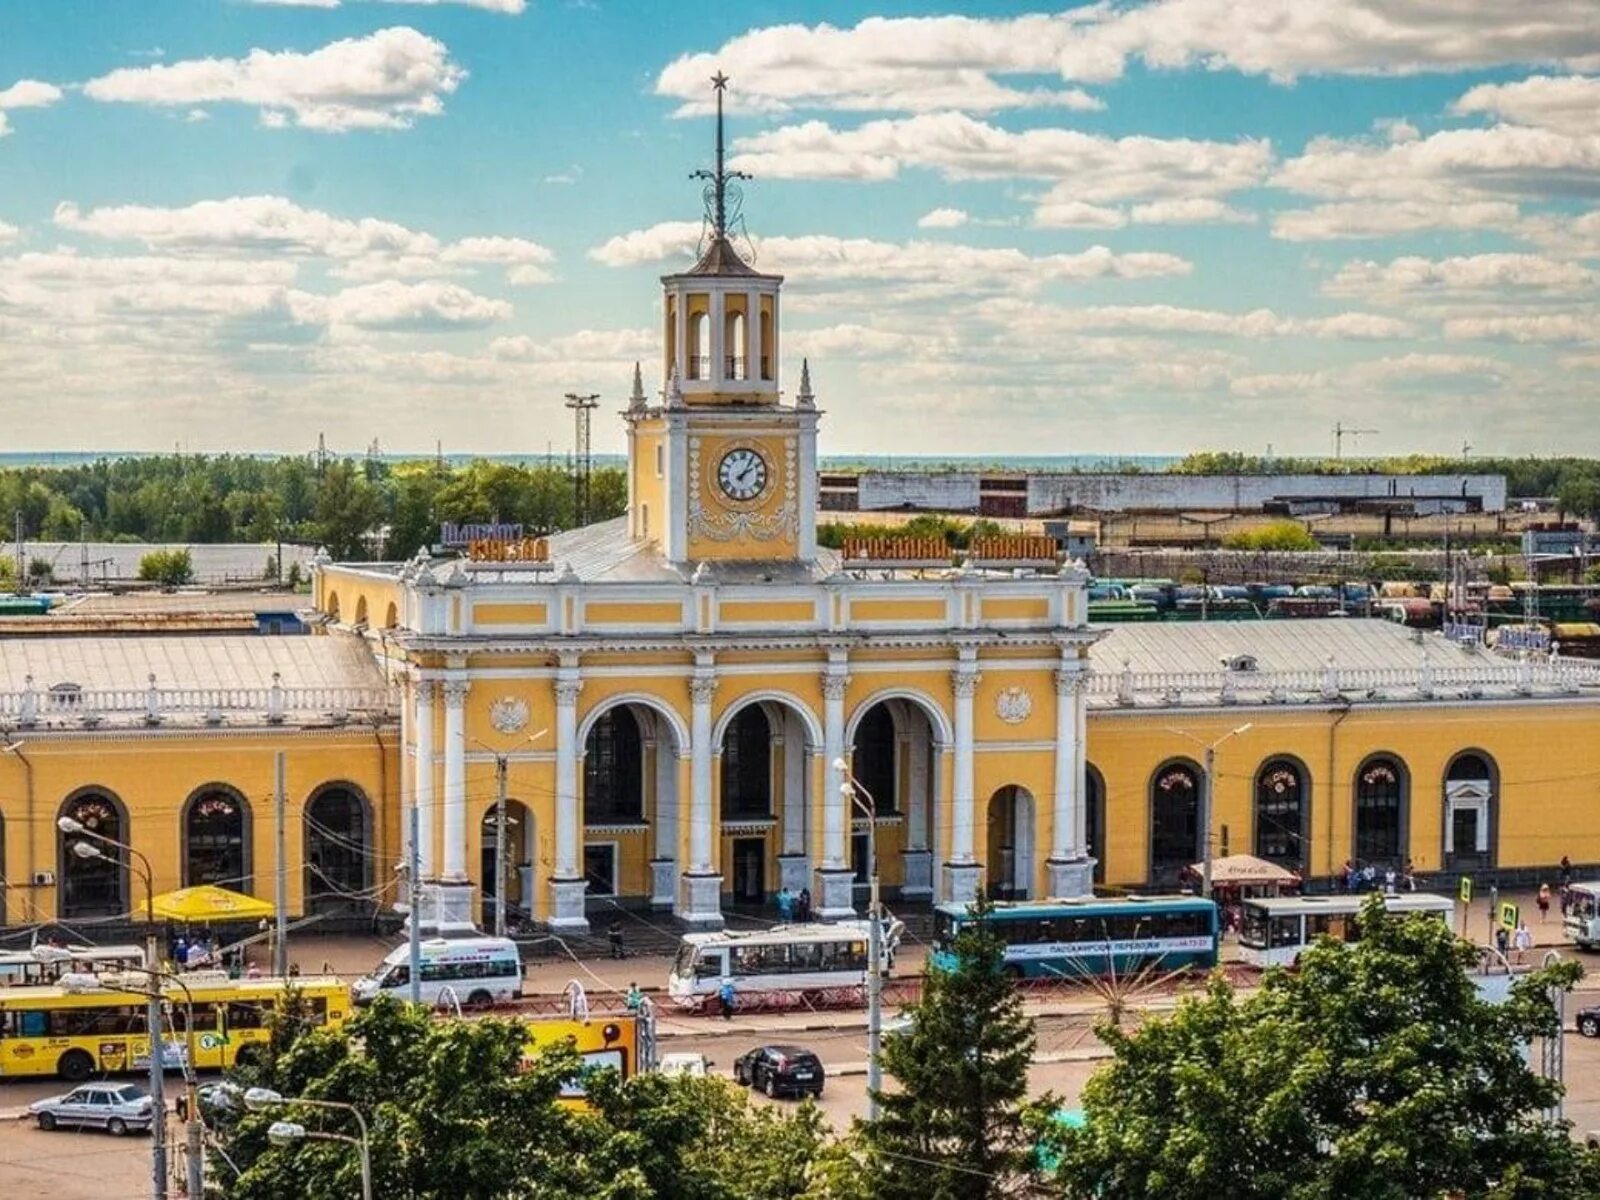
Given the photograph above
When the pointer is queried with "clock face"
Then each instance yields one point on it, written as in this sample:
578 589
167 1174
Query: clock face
742 474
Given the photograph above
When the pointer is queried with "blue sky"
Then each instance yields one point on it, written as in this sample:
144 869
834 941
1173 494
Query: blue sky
1120 228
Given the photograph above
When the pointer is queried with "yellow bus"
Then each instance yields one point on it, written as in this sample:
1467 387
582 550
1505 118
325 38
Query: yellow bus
79 1033
626 1044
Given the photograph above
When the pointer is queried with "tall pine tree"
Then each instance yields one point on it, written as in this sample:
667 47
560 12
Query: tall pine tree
953 1128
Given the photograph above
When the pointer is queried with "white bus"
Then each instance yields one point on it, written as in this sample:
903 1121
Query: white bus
1276 930
782 967
1582 922
46 964
479 970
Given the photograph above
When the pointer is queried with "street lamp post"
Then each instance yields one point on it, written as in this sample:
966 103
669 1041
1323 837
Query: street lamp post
502 764
286 1133
859 798
87 849
1206 799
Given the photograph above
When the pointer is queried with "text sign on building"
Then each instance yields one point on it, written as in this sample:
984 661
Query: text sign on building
454 535
1522 639
1463 632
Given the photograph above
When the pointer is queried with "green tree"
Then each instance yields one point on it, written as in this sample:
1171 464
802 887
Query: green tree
170 568
348 510
955 1127
1274 535
1375 1070
1579 496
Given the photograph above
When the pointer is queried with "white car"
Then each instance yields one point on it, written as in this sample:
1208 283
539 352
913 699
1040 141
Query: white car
118 1108
695 1066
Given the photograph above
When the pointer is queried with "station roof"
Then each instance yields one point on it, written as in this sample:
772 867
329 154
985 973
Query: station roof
1277 645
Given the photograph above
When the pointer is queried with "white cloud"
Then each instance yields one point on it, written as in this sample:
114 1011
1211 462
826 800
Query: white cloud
392 305
1541 328
916 64
1170 319
1191 210
29 93
1568 104
1287 383
384 80
365 248
1379 219
1410 367
8 233
586 345
923 268
943 218
1090 167
1285 39
1077 214
1408 280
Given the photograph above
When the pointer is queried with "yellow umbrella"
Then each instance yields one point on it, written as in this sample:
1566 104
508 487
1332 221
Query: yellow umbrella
205 902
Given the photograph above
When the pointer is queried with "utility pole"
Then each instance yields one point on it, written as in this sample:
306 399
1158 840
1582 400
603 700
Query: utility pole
582 407
280 963
1340 432
500 766
21 568
1205 821
414 887
853 794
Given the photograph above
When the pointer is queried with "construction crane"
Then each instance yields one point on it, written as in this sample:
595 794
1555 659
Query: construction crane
1342 431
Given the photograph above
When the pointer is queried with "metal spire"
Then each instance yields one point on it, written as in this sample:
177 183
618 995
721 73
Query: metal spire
636 400
805 399
720 177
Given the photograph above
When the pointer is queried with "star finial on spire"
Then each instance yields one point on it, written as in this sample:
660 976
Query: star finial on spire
719 178
719 81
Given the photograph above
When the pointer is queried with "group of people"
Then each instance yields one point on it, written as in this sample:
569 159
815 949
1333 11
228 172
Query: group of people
794 906
1514 944
1357 878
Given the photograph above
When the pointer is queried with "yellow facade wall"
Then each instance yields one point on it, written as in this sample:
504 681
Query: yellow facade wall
154 775
632 614
887 611
1015 608
802 611
510 614
769 506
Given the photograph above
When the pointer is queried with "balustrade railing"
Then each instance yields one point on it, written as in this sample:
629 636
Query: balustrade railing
31 704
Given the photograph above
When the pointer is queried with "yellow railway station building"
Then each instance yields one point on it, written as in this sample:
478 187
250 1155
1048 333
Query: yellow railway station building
694 705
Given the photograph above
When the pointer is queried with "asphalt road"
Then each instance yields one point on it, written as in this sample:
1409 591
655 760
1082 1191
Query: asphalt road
70 1165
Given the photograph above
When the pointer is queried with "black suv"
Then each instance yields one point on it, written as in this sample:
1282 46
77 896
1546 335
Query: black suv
1589 1021
778 1070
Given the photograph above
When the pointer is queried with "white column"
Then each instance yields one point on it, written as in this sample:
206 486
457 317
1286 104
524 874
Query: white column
965 684
719 343
1064 823
1080 772
701 690
752 336
455 779
795 799
835 850
568 685
422 781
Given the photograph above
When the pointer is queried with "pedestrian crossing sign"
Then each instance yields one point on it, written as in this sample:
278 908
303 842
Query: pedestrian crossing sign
1464 892
1508 915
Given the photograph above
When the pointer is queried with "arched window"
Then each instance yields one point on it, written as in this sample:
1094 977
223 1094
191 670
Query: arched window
699 346
1470 794
95 886
747 765
338 853
733 347
613 777
1094 819
1174 821
216 839
872 760
1381 804
1281 813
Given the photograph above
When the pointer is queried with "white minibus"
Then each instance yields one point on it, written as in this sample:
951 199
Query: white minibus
479 970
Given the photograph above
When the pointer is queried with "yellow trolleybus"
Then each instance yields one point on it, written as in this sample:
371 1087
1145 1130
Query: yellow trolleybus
78 1033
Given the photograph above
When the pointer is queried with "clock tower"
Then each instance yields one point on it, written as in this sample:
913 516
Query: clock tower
721 469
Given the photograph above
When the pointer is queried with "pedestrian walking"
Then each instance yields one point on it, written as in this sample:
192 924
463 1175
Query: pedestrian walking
1566 872
614 939
785 904
803 907
725 995
1522 941
634 1000
1408 875
1347 876
1388 882
1543 902
1502 941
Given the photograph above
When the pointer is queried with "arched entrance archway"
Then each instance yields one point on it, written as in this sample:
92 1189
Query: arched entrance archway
1471 792
895 740
95 886
1174 822
1094 813
632 748
764 780
520 849
1010 843
338 840
216 838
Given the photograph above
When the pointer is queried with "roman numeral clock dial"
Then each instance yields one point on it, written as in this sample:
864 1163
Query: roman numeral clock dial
742 474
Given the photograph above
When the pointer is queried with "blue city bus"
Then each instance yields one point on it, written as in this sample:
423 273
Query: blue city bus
1090 935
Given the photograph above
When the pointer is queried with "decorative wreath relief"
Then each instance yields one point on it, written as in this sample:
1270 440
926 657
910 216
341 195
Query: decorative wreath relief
509 714
1013 705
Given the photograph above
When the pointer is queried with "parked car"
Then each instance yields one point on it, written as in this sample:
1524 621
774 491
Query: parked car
684 1062
1589 1021
777 1070
118 1108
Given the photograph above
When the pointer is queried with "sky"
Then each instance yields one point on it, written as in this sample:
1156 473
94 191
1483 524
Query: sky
1111 228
